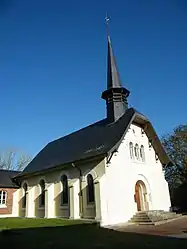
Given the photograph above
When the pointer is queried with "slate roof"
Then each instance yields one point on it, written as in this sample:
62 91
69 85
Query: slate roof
97 139
6 178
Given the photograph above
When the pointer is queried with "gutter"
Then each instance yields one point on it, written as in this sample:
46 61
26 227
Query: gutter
60 166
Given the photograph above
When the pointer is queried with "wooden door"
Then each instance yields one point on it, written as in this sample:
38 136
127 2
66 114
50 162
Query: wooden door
137 196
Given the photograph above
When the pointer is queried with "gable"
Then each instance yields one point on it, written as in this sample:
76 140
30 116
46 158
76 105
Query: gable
141 127
139 148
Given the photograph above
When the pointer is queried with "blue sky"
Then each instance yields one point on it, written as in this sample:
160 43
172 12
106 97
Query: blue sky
53 65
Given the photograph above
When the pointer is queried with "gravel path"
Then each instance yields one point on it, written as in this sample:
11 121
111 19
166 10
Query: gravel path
174 228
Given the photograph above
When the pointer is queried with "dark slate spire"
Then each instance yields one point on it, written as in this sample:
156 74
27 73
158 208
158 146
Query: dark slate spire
115 95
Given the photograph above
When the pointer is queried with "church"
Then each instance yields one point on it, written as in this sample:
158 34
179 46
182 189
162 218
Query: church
107 171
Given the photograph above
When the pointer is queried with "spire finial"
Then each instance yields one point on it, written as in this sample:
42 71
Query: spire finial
107 19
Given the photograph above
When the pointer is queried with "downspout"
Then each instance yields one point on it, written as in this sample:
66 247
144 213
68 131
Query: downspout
80 190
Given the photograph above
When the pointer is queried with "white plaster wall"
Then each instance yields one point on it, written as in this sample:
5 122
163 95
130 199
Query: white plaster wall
76 199
104 195
31 201
15 204
50 201
118 187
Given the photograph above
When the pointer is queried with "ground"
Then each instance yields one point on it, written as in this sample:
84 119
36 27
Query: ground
57 233
176 227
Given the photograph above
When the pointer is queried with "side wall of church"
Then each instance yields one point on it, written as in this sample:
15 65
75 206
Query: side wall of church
122 174
53 188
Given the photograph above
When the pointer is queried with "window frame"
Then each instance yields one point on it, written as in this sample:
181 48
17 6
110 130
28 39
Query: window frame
142 153
131 150
90 190
24 198
136 151
64 194
42 194
2 193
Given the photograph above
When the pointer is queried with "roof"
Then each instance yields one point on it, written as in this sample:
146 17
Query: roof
97 139
6 178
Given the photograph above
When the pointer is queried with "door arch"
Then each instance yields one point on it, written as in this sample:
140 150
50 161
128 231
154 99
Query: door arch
141 196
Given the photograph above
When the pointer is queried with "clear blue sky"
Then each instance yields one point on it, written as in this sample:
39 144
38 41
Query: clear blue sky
53 65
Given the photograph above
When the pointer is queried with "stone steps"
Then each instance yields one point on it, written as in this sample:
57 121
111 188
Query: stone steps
152 217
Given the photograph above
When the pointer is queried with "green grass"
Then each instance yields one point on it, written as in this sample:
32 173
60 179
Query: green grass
58 234
13 223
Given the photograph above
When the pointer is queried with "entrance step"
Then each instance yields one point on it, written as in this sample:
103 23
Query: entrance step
153 217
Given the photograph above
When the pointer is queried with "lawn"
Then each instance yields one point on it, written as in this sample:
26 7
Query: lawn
13 223
59 233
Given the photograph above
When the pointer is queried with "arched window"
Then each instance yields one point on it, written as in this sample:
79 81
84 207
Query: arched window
131 150
90 189
24 199
142 153
64 193
3 196
136 151
42 194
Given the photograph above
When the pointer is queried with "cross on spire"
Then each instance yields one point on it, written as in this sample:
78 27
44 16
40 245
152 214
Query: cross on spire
107 20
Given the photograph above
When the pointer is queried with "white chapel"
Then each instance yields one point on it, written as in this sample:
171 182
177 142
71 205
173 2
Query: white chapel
107 171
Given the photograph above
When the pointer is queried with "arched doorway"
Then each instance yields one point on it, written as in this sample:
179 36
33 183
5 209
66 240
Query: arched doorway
141 196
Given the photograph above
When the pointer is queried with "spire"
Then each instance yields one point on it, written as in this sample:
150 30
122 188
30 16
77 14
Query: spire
115 95
113 79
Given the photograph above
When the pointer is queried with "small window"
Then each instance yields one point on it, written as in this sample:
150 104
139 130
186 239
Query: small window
142 153
42 194
3 196
65 190
131 150
136 151
90 189
24 200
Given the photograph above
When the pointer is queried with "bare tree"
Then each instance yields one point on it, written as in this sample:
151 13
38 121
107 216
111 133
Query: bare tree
12 159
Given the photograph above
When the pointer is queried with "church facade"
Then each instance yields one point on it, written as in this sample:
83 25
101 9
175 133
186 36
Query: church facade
107 171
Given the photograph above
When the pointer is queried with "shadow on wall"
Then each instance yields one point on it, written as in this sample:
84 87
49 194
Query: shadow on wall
89 211
83 236
61 210
39 211
22 211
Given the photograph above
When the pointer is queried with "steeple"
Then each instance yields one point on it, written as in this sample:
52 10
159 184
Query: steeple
115 95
